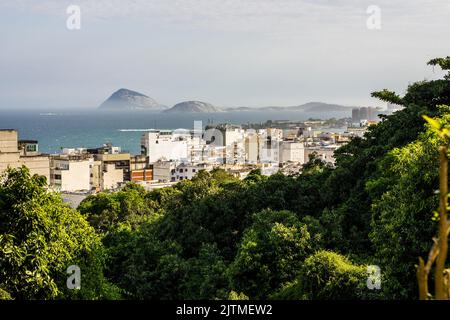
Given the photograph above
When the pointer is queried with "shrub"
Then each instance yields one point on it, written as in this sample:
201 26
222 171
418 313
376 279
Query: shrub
326 276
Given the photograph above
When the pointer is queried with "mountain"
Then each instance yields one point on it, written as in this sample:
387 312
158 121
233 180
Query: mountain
124 99
307 107
320 107
193 107
241 109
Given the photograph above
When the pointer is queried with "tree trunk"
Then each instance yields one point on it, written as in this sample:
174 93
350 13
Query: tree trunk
422 280
443 238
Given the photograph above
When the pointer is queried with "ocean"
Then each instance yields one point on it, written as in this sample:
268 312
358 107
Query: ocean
92 128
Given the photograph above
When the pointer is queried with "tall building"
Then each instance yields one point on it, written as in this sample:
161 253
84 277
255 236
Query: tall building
291 151
112 176
108 154
355 115
141 170
365 114
165 145
325 153
269 145
232 137
252 148
164 170
76 170
15 153
71 172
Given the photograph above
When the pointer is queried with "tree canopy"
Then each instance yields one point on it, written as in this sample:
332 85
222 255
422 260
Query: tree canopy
306 236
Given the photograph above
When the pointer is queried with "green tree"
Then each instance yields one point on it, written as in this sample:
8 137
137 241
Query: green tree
326 276
344 192
402 223
207 275
270 253
4 295
40 237
105 210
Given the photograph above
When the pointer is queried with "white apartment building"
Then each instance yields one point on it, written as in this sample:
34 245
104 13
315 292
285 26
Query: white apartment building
83 174
269 145
235 145
291 151
325 153
163 170
71 173
166 145
111 177
172 171
252 141
188 171
274 133
211 154
231 137
292 133
309 133
216 146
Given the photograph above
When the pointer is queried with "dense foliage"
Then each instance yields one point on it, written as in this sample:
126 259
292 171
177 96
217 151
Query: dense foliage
40 237
327 276
309 236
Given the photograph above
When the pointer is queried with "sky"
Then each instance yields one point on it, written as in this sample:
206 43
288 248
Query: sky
227 52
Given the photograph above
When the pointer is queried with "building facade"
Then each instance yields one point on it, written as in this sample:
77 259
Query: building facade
15 153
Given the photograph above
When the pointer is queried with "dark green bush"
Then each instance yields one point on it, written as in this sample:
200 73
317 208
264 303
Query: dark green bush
326 276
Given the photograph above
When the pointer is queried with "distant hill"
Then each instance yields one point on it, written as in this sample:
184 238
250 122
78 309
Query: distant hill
307 107
124 99
320 107
193 107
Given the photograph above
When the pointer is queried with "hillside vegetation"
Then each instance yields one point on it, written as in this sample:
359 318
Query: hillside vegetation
309 236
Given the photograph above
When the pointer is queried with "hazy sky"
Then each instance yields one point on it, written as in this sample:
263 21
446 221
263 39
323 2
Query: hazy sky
227 52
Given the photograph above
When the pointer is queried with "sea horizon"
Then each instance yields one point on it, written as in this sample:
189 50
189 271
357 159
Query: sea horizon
90 128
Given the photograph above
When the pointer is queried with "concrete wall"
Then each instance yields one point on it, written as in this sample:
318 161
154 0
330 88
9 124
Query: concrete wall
183 172
75 178
162 171
168 150
292 151
112 177
10 156
9 160
8 141
252 148
39 165
325 154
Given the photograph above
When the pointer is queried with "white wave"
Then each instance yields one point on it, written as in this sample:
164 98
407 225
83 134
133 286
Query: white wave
135 130
48 114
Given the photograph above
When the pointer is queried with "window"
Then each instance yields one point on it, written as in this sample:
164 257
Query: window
31 147
63 166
